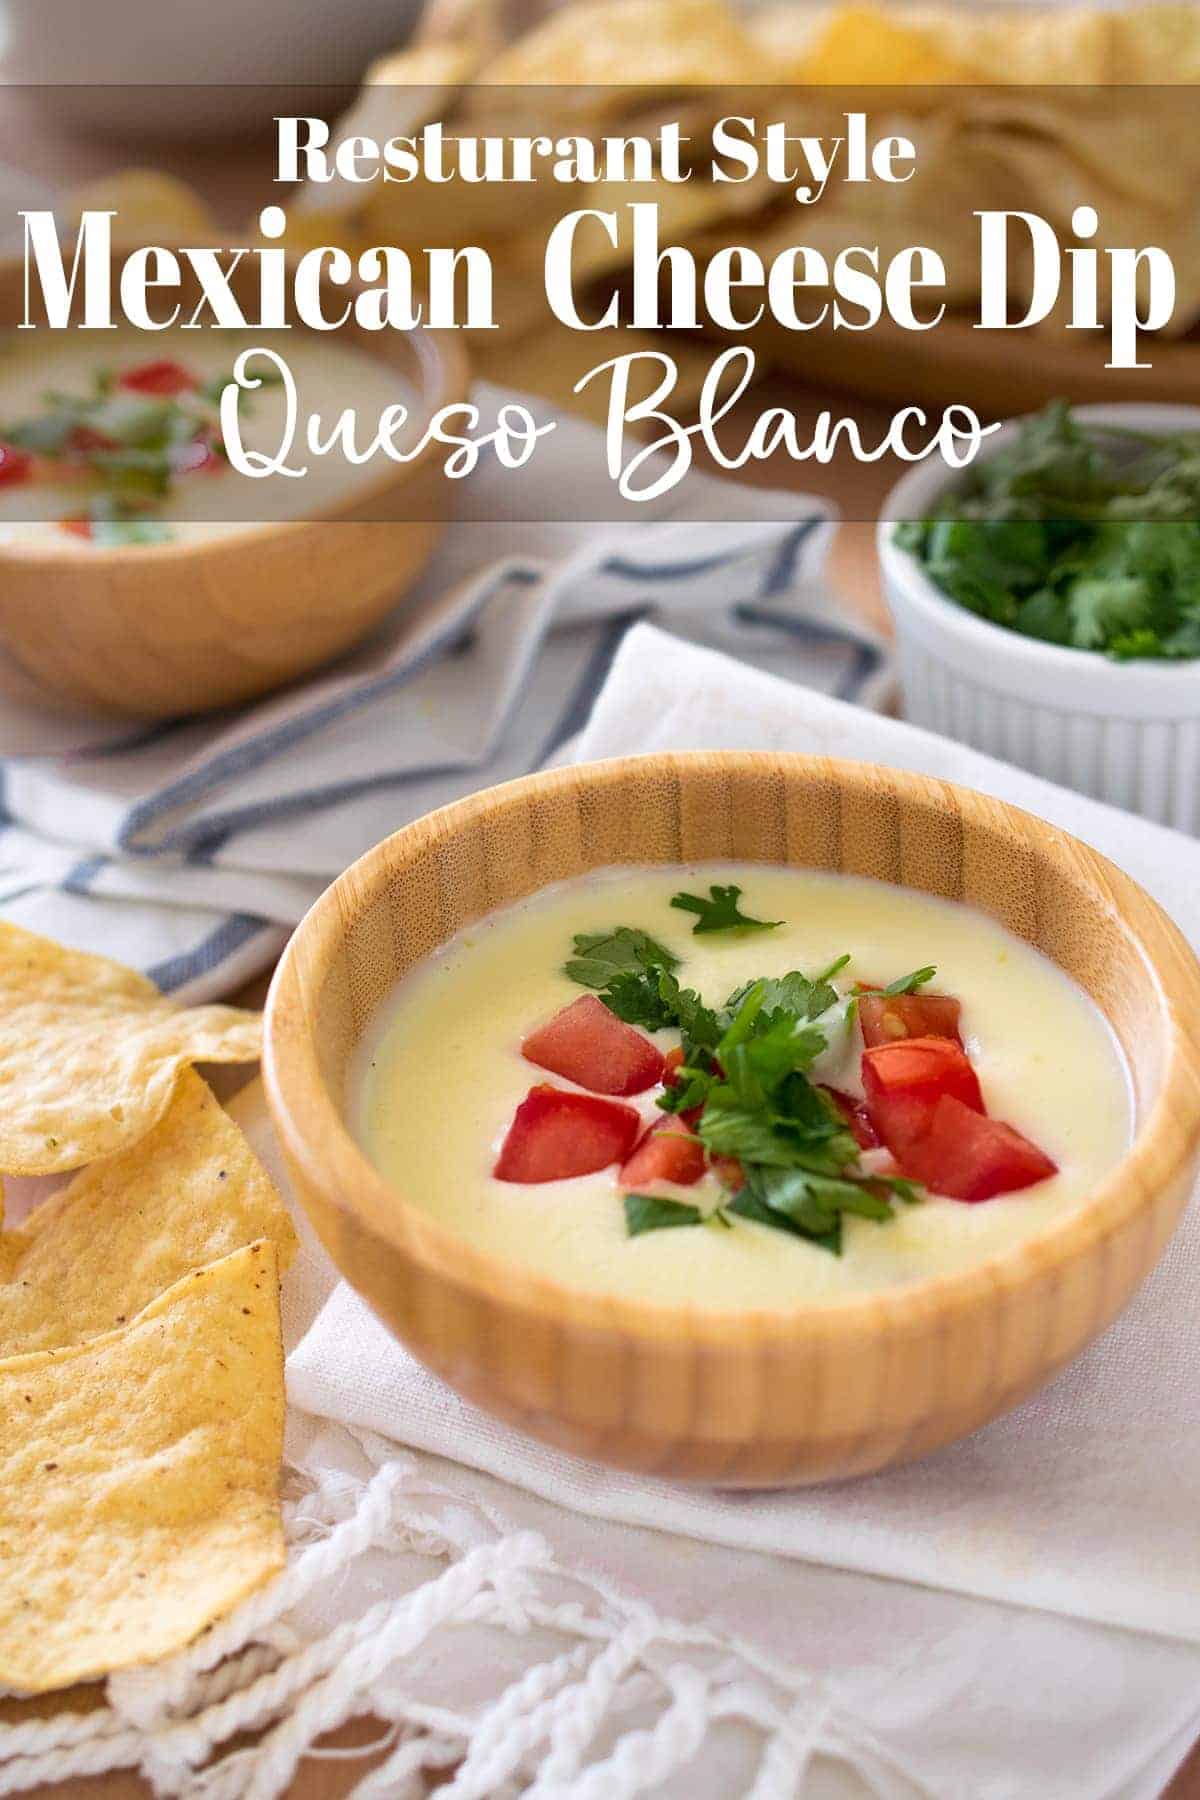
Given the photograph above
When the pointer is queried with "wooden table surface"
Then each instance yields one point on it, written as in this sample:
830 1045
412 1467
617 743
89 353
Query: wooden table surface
236 180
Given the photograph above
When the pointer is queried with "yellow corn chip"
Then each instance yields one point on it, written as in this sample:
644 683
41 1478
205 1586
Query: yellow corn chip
150 207
854 45
620 44
1156 45
126 1227
139 1478
552 359
90 1051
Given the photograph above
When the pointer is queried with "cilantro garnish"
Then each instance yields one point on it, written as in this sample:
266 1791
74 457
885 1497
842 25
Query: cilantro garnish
720 912
1082 535
908 984
801 1166
806 996
812 1206
126 446
652 1212
265 378
601 955
746 1073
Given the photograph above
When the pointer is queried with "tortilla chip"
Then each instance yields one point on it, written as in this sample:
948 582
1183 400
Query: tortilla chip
151 208
936 45
90 1052
139 1478
1146 151
855 45
1156 45
127 1227
552 359
611 46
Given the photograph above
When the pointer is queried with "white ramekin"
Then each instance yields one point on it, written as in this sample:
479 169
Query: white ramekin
1128 733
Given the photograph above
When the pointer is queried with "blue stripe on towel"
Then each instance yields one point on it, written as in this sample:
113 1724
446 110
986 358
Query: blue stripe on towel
782 570
79 879
866 661
782 574
574 715
251 753
201 842
625 570
208 954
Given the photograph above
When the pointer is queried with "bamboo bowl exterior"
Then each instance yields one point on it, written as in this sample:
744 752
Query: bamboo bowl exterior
746 1398
160 630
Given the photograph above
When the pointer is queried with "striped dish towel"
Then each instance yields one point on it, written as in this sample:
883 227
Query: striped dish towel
189 849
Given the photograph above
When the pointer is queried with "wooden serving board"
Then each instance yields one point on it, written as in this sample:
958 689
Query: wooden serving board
995 372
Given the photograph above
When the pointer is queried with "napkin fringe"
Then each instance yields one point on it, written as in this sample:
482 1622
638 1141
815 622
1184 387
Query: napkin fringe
623 1701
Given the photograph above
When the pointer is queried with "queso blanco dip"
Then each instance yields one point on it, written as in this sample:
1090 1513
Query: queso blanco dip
114 437
826 1137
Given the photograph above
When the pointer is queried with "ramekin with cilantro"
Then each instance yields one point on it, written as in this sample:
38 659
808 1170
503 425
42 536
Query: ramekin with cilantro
1047 601
1076 532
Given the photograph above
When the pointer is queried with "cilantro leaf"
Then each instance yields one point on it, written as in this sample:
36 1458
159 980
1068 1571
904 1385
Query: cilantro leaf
700 1026
633 995
809 1205
720 912
601 955
757 1066
265 378
908 984
911 1192
652 1212
806 997
693 1085
747 1205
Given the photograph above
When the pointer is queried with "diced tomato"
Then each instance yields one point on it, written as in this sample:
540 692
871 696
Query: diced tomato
164 379
555 1134
15 465
970 1157
856 1116
77 527
904 1082
729 1172
587 1044
886 1018
83 439
668 1152
196 457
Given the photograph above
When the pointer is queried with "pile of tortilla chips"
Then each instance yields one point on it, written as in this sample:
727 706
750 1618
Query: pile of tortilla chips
1007 109
141 1364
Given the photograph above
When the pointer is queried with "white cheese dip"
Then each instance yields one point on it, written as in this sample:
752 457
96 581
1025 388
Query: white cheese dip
440 1075
330 376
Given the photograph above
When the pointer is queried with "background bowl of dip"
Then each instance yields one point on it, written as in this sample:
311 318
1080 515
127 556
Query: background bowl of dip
1125 732
232 606
741 1397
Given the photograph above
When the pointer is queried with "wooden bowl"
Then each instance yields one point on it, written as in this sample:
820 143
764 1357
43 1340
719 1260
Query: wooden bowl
740 1398
159 630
